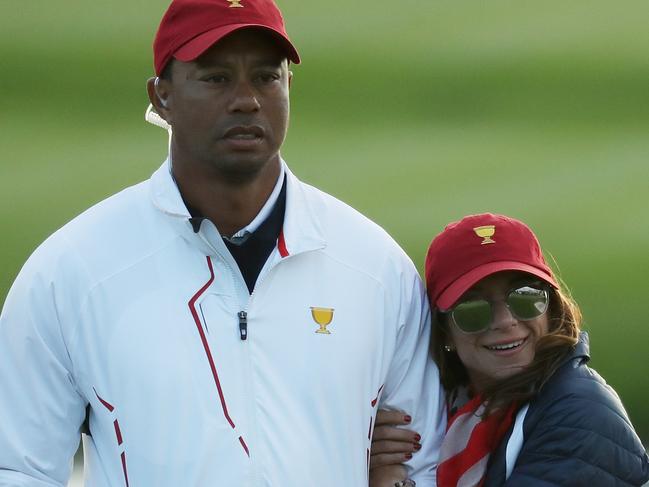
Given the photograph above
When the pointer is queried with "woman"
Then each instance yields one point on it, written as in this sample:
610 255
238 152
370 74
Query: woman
524 409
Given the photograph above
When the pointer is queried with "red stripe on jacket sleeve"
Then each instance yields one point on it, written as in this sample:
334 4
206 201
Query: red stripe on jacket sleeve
124 469
106 404
118 433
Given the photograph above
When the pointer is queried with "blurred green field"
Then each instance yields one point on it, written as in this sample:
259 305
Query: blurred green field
414 112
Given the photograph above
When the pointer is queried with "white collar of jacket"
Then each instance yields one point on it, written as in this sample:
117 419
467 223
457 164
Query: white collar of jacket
266 209
301 230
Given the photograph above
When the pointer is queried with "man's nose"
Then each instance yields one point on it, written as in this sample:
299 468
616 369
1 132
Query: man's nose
502 316
244 98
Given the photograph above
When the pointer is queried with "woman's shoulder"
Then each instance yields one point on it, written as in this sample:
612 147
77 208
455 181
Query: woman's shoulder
579 418
577 387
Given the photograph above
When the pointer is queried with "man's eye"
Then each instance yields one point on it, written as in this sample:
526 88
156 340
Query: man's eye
268 77
215 78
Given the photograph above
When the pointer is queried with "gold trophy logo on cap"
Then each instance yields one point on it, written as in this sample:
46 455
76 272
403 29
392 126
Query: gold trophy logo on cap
486 232
235 3
322 316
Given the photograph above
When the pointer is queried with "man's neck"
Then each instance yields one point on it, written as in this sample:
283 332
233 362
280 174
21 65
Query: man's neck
229 205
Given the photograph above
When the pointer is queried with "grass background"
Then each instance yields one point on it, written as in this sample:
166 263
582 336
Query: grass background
415 112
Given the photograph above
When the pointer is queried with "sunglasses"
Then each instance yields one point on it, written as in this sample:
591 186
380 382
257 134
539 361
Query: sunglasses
524 303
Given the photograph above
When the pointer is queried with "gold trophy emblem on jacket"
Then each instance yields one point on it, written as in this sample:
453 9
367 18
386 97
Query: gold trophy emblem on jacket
322 316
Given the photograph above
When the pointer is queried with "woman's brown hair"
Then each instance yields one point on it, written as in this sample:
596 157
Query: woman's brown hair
562 336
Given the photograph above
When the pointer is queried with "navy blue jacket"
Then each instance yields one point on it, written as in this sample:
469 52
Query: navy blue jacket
576 433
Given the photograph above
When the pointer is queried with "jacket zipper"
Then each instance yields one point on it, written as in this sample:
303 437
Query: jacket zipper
243 324
242 316
250 385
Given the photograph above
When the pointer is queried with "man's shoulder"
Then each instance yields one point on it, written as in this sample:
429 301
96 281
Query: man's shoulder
97 238
349 233
109 218
341 220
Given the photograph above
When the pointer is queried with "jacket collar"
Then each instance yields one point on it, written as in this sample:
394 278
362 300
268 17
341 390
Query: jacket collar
165 194
581 353
301 231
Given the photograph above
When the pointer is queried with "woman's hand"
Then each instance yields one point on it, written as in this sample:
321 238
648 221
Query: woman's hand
391 445
387 476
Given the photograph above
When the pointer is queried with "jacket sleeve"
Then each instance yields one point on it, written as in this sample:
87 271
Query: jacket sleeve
41 409
413 385
581 438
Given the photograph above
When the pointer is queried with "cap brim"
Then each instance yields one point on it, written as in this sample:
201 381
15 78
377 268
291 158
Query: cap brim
201 43
461 285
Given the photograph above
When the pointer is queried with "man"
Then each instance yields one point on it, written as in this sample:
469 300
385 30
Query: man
221 323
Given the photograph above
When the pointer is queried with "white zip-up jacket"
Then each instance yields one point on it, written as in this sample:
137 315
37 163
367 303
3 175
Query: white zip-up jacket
128 316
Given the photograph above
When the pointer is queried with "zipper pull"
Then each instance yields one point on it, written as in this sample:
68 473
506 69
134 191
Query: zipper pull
243 324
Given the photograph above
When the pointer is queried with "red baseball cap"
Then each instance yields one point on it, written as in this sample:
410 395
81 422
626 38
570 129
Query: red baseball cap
476 247
189 27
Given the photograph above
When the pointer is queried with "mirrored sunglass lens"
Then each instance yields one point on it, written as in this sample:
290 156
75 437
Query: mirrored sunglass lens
528 302
472 316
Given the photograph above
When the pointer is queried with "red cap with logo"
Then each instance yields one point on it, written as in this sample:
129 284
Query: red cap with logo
190 27
476 247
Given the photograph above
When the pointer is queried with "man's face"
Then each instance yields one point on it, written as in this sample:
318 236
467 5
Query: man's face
229 108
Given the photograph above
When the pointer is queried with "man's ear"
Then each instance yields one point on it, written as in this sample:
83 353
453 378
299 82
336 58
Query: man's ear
290 78
158 91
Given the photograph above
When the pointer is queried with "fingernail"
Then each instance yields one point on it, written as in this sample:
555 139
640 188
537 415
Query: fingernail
417 446
408 456
407 418
417 437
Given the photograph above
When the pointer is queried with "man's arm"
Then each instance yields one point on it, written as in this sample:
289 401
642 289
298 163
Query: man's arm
41 409
413 385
